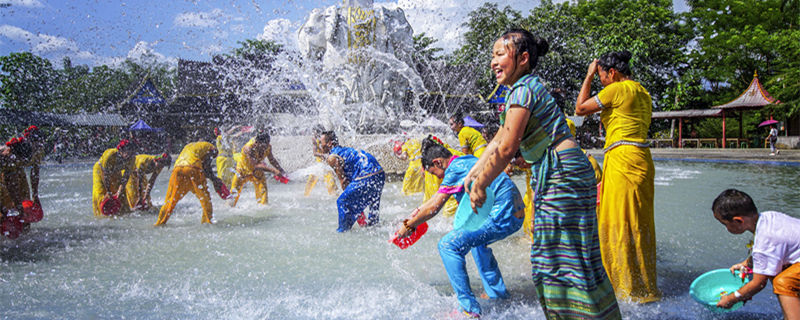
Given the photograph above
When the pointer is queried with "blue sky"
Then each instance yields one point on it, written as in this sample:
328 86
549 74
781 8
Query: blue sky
97 32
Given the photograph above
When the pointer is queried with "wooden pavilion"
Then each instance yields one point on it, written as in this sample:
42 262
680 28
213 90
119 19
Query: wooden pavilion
753 98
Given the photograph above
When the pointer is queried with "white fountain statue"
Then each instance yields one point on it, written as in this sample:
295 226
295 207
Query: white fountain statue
361 54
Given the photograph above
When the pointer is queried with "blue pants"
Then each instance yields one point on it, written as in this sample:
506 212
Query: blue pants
455 245
359 195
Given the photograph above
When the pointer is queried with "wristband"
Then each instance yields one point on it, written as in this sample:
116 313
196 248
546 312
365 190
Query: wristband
737 294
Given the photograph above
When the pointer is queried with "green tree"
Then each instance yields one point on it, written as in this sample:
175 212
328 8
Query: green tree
27 81
649 29
484 25
260 53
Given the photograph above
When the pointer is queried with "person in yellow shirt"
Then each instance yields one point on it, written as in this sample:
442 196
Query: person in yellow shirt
226 166
250 167
15 181
472 142
110 174
414 179
625 216
313 179
192 168
139 185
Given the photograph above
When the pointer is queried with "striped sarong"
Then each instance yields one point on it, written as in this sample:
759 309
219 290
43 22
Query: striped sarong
565 255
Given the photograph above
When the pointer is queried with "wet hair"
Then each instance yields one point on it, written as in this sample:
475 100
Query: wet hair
522 40
317 130
262 137
331 135
733 203
165 157
432 148
617 60
490 130
19 148
458 117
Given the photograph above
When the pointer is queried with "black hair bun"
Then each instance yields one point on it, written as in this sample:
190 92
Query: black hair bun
624 55
542 47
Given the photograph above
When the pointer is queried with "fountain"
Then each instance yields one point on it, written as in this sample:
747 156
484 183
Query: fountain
285 260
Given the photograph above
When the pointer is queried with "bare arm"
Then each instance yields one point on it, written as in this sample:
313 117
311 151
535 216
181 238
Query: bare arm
209 173
336 163
274 162
123 182
490 149
512 130
425 212
585 105
746 292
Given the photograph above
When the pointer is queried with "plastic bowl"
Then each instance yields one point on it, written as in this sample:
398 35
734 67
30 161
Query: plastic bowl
32 212
709 287
469 220
110 206
11 227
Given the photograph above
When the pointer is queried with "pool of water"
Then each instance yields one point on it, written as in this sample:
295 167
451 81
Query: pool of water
285 260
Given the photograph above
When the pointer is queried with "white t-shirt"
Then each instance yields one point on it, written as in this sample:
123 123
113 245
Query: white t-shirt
776 243
773 132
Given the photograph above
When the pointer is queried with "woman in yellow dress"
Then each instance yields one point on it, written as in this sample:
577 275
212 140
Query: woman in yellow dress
414 179
108 177
14 179
226 166
625 215
471 140
313 179
192 168
139 185
250 167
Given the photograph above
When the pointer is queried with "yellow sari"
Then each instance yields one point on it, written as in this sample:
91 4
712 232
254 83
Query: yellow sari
625 215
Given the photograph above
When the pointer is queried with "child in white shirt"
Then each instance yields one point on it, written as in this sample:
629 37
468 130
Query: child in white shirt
775 254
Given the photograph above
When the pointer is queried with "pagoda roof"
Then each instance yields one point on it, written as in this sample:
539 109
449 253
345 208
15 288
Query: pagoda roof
754 97
692 113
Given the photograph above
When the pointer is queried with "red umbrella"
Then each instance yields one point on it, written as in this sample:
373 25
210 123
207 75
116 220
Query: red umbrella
768 122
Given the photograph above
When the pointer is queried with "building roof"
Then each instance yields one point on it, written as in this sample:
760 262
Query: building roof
25 118
754 97
692 113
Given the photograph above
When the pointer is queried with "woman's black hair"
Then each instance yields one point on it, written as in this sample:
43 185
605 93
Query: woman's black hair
524 41
21 150
332 136
490 129
618 60
458 117
733 203
432 149
262 137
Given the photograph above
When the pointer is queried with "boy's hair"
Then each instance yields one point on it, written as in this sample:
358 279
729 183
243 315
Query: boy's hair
524 41
733 203
432 148
331 135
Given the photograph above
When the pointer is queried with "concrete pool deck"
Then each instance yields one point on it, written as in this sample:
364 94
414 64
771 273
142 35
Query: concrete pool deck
758 156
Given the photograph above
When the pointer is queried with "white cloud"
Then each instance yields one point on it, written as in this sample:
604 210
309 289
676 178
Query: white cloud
200 19
23 3
281 31
143 52
43 44
212 49
443 19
